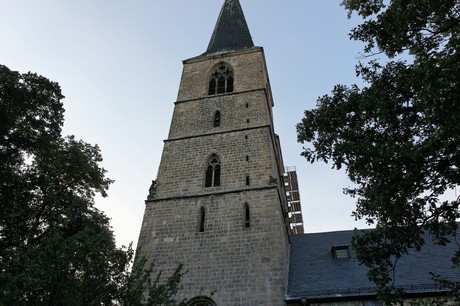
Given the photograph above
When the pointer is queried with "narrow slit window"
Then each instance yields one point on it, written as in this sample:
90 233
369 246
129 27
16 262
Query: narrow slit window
247 216
247 180
217 119
201 219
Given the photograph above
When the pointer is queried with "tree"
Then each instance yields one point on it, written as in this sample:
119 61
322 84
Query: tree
398 137
56 248
159 291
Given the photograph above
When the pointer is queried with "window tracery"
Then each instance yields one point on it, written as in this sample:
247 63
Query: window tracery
221 80
213 172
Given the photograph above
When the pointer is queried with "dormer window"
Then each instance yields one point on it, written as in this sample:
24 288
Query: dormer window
340 251
221 80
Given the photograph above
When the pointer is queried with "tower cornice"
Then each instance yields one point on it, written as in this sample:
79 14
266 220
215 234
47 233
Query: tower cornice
221 132
219 55
221 95
212 193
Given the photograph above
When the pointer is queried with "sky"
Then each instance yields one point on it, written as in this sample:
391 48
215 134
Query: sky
119 65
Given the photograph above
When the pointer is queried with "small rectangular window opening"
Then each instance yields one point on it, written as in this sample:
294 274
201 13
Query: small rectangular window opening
340 251
247 221
217 119
247 180
201 220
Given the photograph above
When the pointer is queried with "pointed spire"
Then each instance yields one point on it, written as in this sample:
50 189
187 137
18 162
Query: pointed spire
231 32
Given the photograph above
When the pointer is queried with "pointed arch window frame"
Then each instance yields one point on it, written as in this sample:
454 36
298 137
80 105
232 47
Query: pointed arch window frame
201 301
221 80
213 171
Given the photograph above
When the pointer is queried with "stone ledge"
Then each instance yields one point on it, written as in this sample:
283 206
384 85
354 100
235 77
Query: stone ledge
213 193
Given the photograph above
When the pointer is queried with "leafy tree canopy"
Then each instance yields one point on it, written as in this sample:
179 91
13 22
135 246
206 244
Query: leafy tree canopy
56 248
398 137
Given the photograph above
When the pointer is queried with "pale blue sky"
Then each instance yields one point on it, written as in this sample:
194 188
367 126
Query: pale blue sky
119 64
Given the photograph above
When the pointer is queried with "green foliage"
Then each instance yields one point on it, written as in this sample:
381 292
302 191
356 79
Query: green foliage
398 137
429 302
159 292
56 248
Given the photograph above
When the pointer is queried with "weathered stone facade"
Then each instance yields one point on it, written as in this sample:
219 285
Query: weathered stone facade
240 263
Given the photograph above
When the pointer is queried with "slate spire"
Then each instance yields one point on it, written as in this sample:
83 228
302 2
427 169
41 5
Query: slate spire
231 32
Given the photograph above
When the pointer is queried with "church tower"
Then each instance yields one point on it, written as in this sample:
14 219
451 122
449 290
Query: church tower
218 204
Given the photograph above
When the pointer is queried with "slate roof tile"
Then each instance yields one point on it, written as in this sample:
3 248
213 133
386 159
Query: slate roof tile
315 273
231 32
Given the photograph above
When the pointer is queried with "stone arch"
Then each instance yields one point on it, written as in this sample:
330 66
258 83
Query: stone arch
221 79
201 301
213 171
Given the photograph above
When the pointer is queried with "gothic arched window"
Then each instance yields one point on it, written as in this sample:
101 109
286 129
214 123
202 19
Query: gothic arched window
217 119
221 80
213 172
201 301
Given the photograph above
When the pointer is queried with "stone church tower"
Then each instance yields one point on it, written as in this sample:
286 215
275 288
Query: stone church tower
218 204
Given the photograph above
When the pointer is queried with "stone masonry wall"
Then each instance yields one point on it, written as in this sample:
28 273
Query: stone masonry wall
238 111
248 66
242 266
242 153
